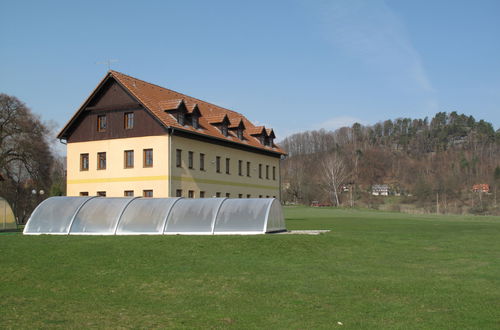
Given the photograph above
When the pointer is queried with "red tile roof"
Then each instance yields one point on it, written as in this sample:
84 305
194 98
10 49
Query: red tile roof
216 119
235 123
170 104
157 99
256 130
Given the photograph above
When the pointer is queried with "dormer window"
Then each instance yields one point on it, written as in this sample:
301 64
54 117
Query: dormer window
270 137
262 140
237 126
223 129
221 122
195 121
181 118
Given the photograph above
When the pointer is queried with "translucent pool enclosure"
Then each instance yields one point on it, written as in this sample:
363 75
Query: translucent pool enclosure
7 218
155 216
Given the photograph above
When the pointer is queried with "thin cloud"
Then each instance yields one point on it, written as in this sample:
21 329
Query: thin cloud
374 33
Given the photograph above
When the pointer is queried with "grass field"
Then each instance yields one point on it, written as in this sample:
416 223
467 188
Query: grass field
373 270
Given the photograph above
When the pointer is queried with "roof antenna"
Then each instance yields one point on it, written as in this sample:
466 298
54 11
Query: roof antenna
107 62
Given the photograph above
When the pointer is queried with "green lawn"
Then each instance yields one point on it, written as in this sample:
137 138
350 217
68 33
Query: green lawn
373 270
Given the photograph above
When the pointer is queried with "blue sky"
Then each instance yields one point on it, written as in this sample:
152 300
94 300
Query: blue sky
290 65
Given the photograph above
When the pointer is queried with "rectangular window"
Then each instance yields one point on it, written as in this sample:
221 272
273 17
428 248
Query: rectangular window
248 195
217 194
274 172
267 172
84 162
129 158
178 158
228 165
147 193
195 122
260 171
178 193
128 193
191 194
190 159
101 193
181 118
260 196
148 158
84 193
248 169
202 162
217 164
101 123
101 160
202 194
240 167
128 119
228 195
240 195
267 196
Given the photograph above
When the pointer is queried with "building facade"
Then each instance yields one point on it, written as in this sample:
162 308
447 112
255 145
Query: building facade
133 138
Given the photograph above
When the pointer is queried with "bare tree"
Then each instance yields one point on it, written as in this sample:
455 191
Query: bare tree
334 174
25 156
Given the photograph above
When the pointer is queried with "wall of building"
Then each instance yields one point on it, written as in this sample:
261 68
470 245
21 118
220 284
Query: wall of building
211 182
115 179
113 102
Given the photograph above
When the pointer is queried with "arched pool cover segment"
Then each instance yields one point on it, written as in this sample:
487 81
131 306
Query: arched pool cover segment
7 218
249 216
99 216
54 215
193 216
275 217
145 216
132 216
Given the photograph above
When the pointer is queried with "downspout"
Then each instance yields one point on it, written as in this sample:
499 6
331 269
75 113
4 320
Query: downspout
170 161
282 158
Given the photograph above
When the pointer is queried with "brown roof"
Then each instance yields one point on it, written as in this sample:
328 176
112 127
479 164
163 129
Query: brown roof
170 104
157 99
236 122
270 132
192 107
216 119
256 130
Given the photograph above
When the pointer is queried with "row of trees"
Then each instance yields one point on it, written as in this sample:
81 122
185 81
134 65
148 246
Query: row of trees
30 169
433 163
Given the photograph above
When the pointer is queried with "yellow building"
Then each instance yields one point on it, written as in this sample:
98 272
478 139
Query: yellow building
133 138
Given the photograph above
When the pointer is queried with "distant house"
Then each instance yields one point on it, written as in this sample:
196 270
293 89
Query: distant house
380 190
482 188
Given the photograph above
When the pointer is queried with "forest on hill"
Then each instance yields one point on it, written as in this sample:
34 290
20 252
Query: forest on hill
448 164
